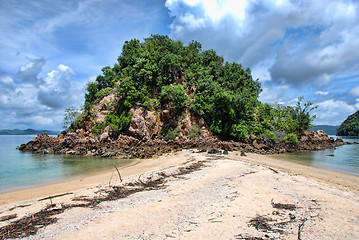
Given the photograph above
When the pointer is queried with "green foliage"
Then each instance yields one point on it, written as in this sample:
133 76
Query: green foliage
151 104
195 131
101 87
290 138
156 73
240 131
270 135
286 119
173 97
171 134
103 92
98 128
350 127
71 115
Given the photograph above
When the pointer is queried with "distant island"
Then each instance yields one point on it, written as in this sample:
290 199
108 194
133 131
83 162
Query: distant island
28 131
330 130
350 127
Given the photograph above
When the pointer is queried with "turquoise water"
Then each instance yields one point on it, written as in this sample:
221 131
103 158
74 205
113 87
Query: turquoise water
343 159
21 169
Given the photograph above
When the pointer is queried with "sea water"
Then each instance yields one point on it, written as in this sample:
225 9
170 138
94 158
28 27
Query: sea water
23 169
343 159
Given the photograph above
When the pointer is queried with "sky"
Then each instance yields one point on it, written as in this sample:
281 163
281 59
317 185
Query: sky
50 50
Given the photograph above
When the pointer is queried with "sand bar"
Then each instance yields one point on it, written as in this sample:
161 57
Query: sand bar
224 200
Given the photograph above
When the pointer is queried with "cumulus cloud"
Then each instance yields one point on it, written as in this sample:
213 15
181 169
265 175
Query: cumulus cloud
309 43
29 72
31 101
295 48
334 111
355 91
56 90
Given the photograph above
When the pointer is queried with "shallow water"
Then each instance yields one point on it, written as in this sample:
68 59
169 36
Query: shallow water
343 159
22 169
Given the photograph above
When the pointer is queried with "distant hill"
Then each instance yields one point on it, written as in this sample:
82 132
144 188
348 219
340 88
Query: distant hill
28 131
350 127
330 130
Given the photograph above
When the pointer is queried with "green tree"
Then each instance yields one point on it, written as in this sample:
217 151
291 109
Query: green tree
71 115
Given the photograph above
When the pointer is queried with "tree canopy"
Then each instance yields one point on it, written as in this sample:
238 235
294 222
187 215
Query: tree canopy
350 127
160 73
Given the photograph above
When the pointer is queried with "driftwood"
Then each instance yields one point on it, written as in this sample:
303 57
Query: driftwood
8 217
272 169
54 196
300 228
119 175
19 206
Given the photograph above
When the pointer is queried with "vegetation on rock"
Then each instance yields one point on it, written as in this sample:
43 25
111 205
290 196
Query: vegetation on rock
161 74
350 127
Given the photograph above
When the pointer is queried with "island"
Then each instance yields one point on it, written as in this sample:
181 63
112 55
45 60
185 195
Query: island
350 127
163 96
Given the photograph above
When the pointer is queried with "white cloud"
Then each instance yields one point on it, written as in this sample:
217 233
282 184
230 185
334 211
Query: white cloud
309 43
334 112
34 102
355 91
322 93
295 48
57 92
30 71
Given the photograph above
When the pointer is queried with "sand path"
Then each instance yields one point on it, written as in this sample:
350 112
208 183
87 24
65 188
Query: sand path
225 200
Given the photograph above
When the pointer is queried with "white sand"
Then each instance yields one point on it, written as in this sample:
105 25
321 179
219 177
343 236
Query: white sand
217 202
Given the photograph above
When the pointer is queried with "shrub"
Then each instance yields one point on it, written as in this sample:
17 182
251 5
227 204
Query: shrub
171 134
195 131
103 92
270 135
98 128
290 138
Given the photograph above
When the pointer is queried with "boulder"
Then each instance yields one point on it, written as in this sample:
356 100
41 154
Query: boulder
105 137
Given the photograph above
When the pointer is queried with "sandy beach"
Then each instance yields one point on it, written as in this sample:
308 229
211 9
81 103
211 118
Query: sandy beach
229 197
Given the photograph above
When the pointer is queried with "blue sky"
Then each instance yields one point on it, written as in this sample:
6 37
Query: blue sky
50 49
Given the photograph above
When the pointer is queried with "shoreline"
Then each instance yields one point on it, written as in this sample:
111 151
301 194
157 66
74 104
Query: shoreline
223 200
77 183
139 166
68 184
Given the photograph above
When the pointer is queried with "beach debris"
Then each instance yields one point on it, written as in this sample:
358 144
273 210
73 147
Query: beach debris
300 228
214 151
119 175
29 225
7 217
272 169
58 206
284 206
261 223
19 206
247 237
54 196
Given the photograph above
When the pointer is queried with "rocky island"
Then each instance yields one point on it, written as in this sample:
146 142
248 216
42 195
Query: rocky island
162 96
